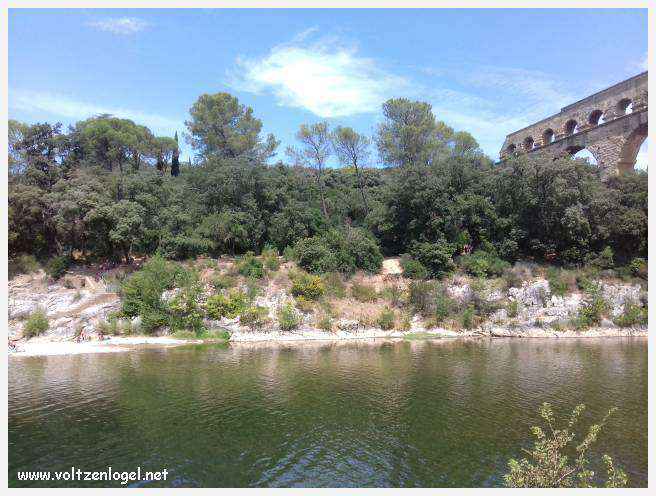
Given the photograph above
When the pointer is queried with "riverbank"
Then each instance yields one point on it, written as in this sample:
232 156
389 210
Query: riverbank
118 344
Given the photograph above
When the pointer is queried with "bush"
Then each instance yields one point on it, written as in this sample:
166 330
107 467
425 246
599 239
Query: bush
249 266
394 294
590 313
363 293
36 324
483 264
437 258
386 319
231 306
58 266
270 259
339 251
633 315
604 260
638 268
325 323
184 312
334 284
468 317
223 281
254 317
23 264
413 269
421 297
444 306
550 464
307 286
513 309
288 319
557 284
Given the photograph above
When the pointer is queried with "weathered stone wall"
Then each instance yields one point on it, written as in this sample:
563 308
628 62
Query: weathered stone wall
611 124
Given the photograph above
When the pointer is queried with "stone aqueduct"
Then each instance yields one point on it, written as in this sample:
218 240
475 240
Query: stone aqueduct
611 124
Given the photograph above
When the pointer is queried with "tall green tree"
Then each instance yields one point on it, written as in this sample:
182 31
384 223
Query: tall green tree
175 159
221 127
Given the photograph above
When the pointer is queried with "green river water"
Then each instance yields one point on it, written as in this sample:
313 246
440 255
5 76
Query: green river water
352 413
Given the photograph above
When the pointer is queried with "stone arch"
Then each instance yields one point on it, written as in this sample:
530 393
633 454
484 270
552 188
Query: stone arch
596 117
583 152
548 137
624 106
510 150
630 148
528 143
571 127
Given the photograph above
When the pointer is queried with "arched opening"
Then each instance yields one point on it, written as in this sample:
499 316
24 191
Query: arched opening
583 153
528 144
596 118
548 137
642 156
511 149
571 127
630 150
624 106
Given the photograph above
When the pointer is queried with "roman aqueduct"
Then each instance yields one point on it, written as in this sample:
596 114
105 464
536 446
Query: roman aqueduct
611 124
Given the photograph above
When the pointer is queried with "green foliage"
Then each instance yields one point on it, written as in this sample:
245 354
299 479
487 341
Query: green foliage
632 315
638 267
339 251
184 311
413 269
250 266
483 264
436 257
421 297
271 259
308 286
254 317
231 306
557 284
549 463
386 319
23 264
223 281
288 319
591 312
334 284
604 259
468 317
36 324
512 309
363 292
57 266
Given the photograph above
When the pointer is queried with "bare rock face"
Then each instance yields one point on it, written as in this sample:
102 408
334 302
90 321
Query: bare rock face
531 294
618 295
347 325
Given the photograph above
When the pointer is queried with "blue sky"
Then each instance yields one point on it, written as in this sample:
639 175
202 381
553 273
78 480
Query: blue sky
488 72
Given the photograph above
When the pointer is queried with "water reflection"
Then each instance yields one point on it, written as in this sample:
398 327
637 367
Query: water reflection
377 413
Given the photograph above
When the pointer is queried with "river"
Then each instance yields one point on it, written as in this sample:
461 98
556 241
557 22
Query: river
438 413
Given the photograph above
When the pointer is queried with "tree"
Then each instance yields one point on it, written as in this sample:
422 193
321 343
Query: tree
352 148
221 127
549 464
315 140
175 160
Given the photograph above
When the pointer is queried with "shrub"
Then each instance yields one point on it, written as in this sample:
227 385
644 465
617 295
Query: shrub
23 264
421 297
58 266
184 311
557 284
444 306
591 312
288 318
413 269
325 323
249 266
254 317
289 254
604 260
394 294
308 286
334 284
550 464
638 267
483 264
304 305
363 292
36 324
513 309
468 317
339 251
386 319
230 306
633 315
270 259
436 257
223 281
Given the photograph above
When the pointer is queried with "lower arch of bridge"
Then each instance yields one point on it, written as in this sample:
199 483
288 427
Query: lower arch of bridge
629 151
591 153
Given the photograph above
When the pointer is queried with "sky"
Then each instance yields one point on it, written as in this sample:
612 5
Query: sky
488 72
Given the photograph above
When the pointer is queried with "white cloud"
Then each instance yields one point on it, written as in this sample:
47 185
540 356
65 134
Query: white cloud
62 106
120 25
325 78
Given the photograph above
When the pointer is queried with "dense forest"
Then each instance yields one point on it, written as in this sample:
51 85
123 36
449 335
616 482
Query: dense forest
108 189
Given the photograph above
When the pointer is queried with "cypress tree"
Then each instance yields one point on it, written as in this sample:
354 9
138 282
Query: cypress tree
175 160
